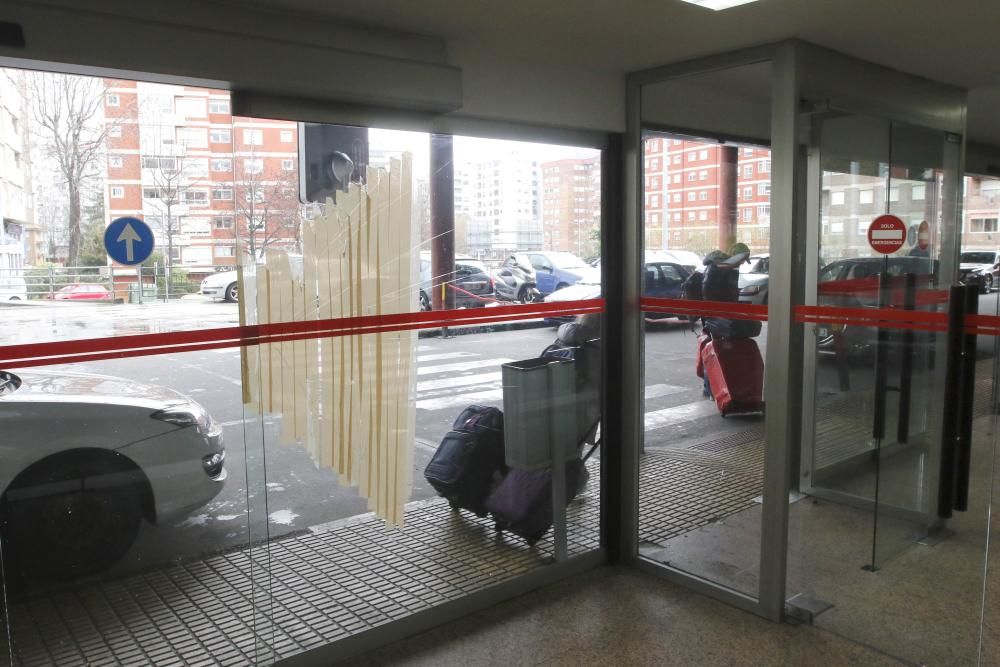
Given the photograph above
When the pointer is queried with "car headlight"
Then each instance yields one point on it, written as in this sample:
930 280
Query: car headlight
185 415
750 290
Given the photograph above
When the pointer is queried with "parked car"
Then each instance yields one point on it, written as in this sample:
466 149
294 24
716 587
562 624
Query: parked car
980 268
224 285
516 281
87 457
556 270
858 288
13 288
80 292
660 280
754 279
472 280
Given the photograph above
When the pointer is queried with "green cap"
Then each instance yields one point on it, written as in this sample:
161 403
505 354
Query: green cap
739 248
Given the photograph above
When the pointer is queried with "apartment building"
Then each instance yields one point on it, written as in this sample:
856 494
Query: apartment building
198 175
499 194
571 204
20 242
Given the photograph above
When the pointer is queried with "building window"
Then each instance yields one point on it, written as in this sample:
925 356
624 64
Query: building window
190 107
218 106
677 178
691 196
221 136
224 222
222 165
115 161
763 189
984 225
748 193
691 215
677 197
196 137
677 159
223 251
113 100
893 194
747 214
763 212
196 197
765 166
917 193
222 194
288 165
747 152
253 137
115 131
703 154
837 198
692 176
167 164
866 196
677 217
703 215
286 136
117 192
253 165
703 195
702 175
748 171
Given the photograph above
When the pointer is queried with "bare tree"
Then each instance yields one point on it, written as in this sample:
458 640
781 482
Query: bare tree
266 202
173 176
66 113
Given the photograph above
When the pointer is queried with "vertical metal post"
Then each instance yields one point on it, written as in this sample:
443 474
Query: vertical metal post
783 373
442 221
728 193
624 263
138 275
52 284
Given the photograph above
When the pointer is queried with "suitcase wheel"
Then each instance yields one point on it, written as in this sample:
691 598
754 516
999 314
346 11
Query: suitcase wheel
497 527
454 505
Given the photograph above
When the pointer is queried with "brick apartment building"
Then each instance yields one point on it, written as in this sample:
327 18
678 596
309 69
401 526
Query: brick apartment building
686 191
571 205
200 177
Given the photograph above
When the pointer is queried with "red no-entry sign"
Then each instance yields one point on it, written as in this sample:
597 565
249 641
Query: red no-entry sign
886 234
923 235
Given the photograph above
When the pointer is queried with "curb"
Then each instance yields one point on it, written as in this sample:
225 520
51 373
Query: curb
483 328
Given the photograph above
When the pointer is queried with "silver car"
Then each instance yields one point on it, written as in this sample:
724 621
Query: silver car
223 286
85 458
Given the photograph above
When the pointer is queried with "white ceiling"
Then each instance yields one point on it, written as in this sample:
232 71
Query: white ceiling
954 42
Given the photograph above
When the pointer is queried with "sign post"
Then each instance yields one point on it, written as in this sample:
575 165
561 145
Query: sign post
129 241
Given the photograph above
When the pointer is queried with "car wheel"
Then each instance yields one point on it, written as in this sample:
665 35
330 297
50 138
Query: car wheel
988 284
232 292
425 302
529 295
15 298
73 531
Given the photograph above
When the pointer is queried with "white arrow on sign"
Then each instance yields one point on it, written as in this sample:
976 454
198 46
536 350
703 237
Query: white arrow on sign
129 236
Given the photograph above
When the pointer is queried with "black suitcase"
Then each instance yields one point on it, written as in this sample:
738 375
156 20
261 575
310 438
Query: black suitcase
469 462
721 327
522 503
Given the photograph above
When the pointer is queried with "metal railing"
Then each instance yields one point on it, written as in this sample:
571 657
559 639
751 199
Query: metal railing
120 284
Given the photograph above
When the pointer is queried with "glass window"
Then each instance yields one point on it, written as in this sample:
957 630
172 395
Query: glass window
837 198
253 137
193 137
287 136
218 106
222 164
222 194
117 192
190 107
115 161
112 100
866 196
220 136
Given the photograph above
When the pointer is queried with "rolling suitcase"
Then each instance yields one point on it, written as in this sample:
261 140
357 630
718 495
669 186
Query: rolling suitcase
735 372
469 462
522 503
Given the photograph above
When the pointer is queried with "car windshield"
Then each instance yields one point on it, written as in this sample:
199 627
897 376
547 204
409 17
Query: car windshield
469 266
567 260
755 265
978 257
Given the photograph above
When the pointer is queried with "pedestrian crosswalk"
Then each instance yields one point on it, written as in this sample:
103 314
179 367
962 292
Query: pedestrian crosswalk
469 377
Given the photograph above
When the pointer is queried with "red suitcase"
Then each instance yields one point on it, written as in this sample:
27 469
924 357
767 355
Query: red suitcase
735 371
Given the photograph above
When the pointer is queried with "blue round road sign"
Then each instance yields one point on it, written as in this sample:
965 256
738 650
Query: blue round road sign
129 240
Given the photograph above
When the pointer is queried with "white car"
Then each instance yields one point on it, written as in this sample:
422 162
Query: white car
85 458
223 286
13 288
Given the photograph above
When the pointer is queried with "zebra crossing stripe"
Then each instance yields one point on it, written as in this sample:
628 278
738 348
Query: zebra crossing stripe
463 366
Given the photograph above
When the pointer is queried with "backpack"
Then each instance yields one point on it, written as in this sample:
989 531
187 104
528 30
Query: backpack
692 287
470 461
721 283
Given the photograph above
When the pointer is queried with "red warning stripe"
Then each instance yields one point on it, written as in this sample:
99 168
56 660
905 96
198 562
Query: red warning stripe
729 309
120 347
886 318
